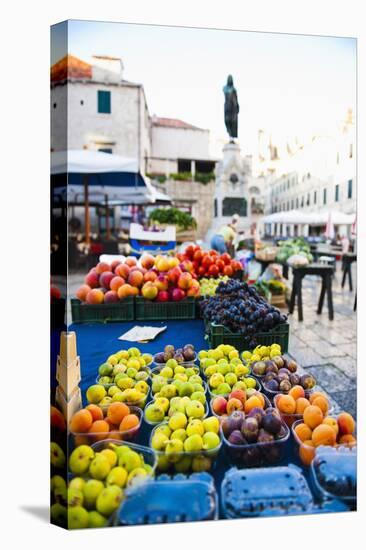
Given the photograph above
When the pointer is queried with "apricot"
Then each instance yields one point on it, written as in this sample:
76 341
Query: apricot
101 267
99 429
95 296
307 452
301 405
329 421
286 404
82 292
95 411
315 395
128 422
346 424
251 403
114 434
81 440
324 435
81 421
117 411
322 402
260 396
313 416
296 392
347 439
116 282
303 432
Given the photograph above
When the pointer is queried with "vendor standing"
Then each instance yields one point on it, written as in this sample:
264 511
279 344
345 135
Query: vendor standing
223 240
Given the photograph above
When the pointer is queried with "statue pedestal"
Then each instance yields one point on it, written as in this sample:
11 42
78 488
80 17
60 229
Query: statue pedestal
231 190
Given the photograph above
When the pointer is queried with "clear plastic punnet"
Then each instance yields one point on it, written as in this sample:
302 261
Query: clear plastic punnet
257 492
334 473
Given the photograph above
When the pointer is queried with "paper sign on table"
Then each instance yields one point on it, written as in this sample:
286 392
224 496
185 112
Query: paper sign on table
141 334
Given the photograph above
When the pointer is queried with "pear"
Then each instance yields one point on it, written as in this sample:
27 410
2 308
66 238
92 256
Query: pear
173 450
130 461
77 483
193 443
100 467
80 459
58 458
59 514
75 497
96 519
77 517
91 491
117 476
109 499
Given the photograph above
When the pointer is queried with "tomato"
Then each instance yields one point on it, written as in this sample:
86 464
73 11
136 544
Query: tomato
189 251
213 271
213 253
226 258
220 264
201 271
206 261
228 270
236 265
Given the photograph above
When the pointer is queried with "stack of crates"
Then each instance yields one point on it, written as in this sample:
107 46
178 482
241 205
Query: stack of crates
68 394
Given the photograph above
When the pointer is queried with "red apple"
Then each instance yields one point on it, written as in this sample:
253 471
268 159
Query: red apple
225 258
149 291
163 296
106 278
228 270
213 271
177 294
186 265
185 281
219 405
57 419
198 255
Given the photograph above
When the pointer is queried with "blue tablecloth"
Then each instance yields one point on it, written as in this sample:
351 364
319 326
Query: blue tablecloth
96 341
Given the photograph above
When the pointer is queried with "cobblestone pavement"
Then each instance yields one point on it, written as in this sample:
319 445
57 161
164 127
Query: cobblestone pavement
326 348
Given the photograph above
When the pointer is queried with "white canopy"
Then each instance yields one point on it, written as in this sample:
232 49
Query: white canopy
298 217
82 161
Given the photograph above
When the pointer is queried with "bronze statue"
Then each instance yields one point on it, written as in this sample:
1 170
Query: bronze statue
231 108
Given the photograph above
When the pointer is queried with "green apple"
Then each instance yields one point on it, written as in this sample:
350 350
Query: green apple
179 434
179 369
111 455
195 379
210 371
117 369
108 500
131 372
106 370
169 391
91 490
167 372
77 517
159 441
136 476
96 519
223 389
202 354
106 400
193 443
164 428
80 459
163 402
216 379
231 378
186 389
117 396
58 457
250 383
201 464
105 380
113 390
100 467
183 465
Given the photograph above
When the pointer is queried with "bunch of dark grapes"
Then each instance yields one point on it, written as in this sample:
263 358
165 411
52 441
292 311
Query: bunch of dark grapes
238 306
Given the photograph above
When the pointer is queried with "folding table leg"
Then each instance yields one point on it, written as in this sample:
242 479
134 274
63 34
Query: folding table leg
293 295
345 267
321 297
299 299
350 277
330 298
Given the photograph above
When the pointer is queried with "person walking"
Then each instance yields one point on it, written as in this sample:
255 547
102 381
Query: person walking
223 240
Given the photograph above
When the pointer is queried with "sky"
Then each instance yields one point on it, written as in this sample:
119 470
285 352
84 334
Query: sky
288 85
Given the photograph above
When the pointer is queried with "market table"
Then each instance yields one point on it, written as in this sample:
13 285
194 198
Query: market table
96 341
321 270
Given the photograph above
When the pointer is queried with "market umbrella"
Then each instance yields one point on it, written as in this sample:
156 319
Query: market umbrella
329 229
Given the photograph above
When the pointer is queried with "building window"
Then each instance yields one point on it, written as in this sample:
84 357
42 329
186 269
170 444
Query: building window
336 194
292 204
106 150
350 150
308 200
349 190
324 196
104 102
81 102
314 197
288 205
302 202
54 105
297 203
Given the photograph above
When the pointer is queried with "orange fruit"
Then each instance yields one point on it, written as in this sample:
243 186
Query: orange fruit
81 421
129 421
296 392
313 416
95 411
331 422
286 404
324 435
322 402
301 405
307 452
117 411
303 432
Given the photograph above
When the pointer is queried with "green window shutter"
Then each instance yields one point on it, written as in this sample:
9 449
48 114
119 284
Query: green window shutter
104 101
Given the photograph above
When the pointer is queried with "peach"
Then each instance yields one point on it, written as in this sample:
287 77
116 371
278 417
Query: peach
286 404
251 403
185 281
126 290
116 282
301 405
111 297
95 411
239 394
123 270
92 279
150 276
95 296
329 421
135 278
81 421
296 392
117 411
130 261
313 416
101 267
347 439
346 423
57 419
173 262
174 274
303 432
114 265
260 396
219 405
105 279
234 405
147 261
99 429
323 435
162 264
322 402
129 422
82 292
307 452
161 282
149 291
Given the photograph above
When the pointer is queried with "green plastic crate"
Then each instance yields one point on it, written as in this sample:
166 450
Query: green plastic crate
162 311
103 313
219 334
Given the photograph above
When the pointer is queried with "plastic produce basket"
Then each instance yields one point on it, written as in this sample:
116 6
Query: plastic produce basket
256 454
90 438
259 492
146 310
258 387
219 416
289 419
103 313
219 334
170 499
334 473
183 461
206 407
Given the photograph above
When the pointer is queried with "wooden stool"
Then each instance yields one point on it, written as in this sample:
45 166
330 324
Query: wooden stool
347 262
323 271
